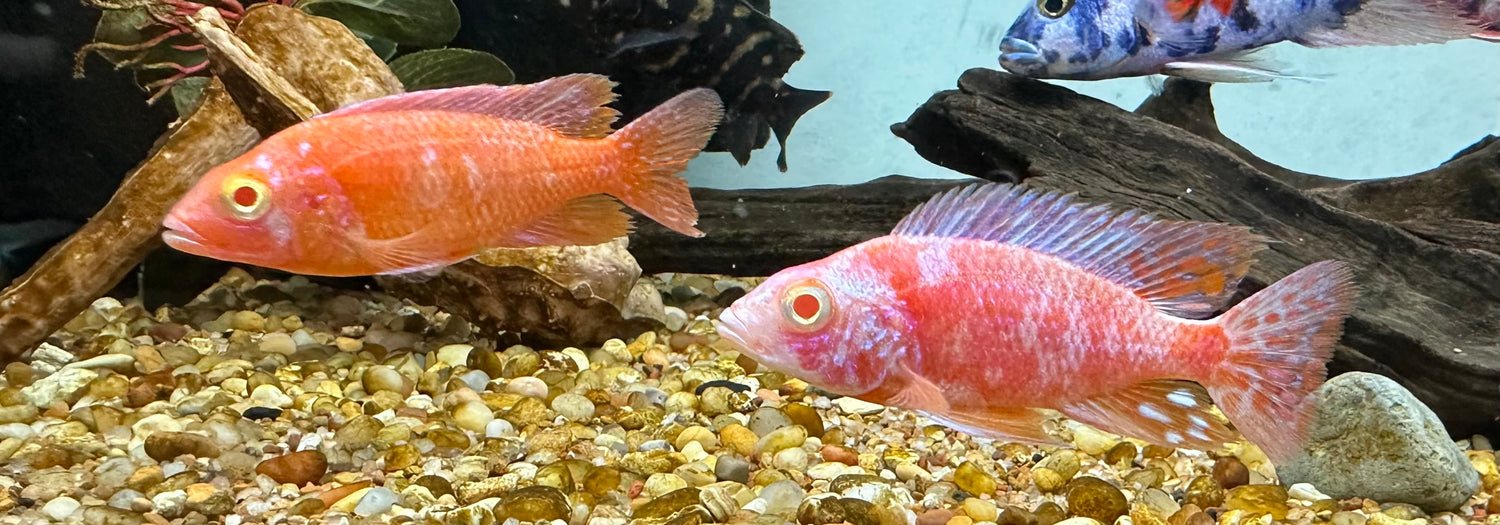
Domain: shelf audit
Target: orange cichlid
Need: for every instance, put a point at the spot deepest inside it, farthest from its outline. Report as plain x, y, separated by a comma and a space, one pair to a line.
991, 305
417, 181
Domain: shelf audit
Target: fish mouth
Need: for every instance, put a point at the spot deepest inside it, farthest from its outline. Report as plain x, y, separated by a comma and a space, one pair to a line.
1019, 56
181, 237
730, 327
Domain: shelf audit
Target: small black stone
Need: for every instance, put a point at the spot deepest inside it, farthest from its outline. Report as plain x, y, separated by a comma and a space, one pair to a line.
726, 384
254, 413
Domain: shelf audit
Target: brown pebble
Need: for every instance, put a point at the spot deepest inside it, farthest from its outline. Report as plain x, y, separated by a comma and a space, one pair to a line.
332, 496
840, 454
50, 456
1049, 513
19, 374
1264, 499
1230, 472
1013, 515
1204, 492
1156, 451
165, 446
1091, 497
935, 517
1182, 514
297, 468
1200, 518
167, 332
806, 416
1122, 454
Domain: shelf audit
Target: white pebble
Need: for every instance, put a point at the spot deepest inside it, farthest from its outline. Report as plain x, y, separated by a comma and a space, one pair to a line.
60, 508
475, 380
455, 355
269, 396
851, 405
676, 318
573, 407
498, 428
278, 343
375, 501
527, 386
1305, 492
473, 415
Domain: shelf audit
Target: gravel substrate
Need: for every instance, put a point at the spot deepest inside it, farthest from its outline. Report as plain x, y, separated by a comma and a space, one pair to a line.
287, 403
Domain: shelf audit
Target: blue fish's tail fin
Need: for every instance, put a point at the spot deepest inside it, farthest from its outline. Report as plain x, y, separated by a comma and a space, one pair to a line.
1397, 22
1279, 341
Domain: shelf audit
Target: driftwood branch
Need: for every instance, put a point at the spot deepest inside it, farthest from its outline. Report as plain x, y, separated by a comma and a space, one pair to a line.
1425, 245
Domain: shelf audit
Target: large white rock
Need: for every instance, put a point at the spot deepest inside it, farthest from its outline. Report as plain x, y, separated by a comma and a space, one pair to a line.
1372, 438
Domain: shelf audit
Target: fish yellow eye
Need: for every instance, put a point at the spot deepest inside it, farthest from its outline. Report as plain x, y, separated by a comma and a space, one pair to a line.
1054, 8
807, 305
246, 196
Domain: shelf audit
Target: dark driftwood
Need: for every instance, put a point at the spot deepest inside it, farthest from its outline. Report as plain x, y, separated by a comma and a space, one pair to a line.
759, 232
1425, 245
519, 306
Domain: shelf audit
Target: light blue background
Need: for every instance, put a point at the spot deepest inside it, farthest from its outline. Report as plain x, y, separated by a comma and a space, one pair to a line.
1383, 111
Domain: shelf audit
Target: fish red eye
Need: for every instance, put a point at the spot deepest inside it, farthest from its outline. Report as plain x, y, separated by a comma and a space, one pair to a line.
246, 196
806, 305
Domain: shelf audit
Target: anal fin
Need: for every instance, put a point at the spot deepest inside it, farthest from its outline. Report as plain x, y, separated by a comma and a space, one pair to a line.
584, 221
1006, 424
1170, 413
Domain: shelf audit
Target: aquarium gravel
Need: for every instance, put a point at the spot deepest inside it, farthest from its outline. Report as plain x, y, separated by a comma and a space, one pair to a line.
285, 402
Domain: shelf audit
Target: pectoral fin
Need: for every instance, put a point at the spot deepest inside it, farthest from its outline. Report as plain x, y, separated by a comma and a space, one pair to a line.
915, 392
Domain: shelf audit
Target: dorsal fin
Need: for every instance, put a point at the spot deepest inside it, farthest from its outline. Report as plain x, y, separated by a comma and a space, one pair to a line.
573, 105
1183, 268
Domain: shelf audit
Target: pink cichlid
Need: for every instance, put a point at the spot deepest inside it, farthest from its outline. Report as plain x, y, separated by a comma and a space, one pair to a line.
991, 304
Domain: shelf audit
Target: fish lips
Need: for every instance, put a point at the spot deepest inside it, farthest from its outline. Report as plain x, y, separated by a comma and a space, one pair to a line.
181, 237
1020, 57
730, 327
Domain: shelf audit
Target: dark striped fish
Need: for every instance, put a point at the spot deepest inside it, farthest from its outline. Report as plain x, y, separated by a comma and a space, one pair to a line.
656, 49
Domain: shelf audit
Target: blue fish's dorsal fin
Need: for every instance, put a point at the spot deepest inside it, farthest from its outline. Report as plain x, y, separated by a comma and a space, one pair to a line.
573, 105
1183, 268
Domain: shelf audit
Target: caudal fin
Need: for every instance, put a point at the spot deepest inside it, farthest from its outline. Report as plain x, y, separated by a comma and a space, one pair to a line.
663, 141
1279, 341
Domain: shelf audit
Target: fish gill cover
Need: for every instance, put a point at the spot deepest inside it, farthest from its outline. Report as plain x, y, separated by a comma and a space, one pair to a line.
656, 49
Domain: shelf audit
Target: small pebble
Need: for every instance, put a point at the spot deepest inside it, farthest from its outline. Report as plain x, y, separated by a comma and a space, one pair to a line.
60, 508
573, 407
527, 386
377, 500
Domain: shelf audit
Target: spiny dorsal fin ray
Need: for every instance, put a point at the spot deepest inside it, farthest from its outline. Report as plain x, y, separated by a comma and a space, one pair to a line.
1183, 268
573, 105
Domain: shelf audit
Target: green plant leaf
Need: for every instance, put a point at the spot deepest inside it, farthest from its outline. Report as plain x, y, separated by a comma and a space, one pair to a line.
187, 94
445, 68
416, 23
383, 47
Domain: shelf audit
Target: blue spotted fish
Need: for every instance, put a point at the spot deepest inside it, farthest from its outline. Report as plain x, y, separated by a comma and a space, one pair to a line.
1211, 40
